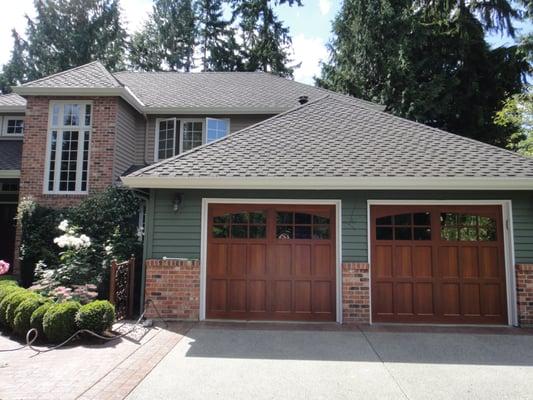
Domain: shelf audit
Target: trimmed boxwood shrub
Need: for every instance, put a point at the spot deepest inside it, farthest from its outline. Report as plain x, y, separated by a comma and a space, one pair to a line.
14, 301
8, 296
97, 316
8, 289
59, 322
7, 279
23, 313
36, 319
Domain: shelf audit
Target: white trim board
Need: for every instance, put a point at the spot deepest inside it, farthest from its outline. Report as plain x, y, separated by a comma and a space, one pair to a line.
328, 183
338, 245
507, 220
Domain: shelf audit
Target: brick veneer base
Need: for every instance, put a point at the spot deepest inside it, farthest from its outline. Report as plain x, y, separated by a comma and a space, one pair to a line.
355, 293
524, 294
174, 287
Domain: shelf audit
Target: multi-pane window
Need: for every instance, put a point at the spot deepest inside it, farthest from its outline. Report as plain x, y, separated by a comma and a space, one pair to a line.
167, 143
240, 225
192, 132
14, 126
467, 227
408, 226
174, 136
216, 129
68, 147
299, 225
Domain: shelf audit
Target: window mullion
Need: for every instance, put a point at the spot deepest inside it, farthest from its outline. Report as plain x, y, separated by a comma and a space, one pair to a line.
59, 152
174, 136
79, 158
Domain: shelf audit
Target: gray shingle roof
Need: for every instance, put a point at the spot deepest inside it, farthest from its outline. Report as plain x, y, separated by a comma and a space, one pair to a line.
219, 90
12, 99
334, 137
10, 154
92, 75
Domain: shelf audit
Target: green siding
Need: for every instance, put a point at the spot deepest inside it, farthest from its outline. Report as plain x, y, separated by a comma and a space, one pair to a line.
178, 234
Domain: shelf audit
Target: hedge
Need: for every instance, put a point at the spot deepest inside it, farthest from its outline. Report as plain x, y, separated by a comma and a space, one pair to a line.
36, 319
59, 322
14, 296
97, 316
23, 314
12, 303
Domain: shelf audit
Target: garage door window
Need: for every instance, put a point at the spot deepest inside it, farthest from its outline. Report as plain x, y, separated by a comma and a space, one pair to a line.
294, 225
240, 225
409, 226
467, 227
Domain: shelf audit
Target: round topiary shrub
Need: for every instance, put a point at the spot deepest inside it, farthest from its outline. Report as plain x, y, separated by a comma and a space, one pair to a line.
23, 313
59, 322
7, 279
13, 296
36, 319
8, 289
14, 301
97, 316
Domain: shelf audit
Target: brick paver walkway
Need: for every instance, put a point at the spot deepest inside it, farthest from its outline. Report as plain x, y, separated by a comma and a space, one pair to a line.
90, 371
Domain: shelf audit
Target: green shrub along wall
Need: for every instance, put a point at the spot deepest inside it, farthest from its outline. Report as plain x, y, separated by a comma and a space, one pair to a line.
171, 234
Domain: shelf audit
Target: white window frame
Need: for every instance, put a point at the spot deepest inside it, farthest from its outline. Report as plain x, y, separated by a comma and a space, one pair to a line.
184, 121
226, 120
156, 144
82, 128
178, 131
6, 120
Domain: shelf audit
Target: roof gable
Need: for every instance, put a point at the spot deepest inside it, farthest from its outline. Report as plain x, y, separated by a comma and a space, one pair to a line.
92, 75
338, 138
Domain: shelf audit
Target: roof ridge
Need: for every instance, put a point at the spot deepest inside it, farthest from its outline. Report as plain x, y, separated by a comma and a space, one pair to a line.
437, 130
198, 148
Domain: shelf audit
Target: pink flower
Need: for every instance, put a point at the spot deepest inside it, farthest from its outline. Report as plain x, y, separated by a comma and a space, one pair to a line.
4, 267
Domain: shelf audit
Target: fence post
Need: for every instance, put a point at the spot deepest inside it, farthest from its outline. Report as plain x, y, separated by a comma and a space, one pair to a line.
112, 282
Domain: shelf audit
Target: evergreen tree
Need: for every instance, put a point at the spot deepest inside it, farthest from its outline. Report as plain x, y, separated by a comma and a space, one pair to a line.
66, 34
170, 35
425, 64
14, 71
216, 38
266, 41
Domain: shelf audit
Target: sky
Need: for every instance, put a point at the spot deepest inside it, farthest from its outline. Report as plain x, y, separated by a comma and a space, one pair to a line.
309, 25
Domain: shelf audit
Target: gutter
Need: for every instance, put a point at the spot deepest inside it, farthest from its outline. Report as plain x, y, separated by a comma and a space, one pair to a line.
329, 183
9, 173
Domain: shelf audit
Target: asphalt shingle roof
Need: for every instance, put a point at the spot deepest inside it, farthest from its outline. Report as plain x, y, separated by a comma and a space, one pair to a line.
92, 75
219, 90
12, 99
337, 137
10, 154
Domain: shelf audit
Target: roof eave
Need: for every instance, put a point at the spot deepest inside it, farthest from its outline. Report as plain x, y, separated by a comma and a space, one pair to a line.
214, 110
12, 109
9, 173
329, 183
122, 92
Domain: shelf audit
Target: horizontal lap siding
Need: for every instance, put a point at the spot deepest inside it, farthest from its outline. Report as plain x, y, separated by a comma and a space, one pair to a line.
128, 122
178, 234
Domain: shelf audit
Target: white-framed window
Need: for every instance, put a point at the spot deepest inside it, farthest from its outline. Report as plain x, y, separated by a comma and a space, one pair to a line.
174, 136
216, 128
13, 126
67, 156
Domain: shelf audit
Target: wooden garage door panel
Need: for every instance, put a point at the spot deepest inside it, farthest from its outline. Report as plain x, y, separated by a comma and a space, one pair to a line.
271, 262
441, 264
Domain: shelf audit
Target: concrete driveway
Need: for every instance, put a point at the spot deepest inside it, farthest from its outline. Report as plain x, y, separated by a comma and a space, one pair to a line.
250, 361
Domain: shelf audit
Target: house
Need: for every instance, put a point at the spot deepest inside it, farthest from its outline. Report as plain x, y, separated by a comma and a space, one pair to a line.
273, 200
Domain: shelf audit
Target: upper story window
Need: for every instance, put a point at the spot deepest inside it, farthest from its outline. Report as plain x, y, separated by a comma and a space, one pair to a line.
174, 136
67, 160
13, 126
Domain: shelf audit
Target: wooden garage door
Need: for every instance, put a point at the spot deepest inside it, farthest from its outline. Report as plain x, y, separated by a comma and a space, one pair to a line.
267, 262
438, 264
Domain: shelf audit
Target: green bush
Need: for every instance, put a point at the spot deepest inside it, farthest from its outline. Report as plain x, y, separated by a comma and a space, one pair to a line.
6, 294
97, 316
59, 322
23, 313
7, 279
7, 288
11, 303
36, 319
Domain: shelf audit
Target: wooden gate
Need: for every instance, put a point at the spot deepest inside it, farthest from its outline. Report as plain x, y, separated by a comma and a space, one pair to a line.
121, 287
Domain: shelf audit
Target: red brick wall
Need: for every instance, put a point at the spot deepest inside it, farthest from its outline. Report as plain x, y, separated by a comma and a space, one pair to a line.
174, 287
524, 293
34, 149
355, 293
